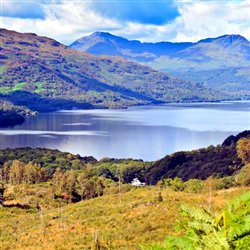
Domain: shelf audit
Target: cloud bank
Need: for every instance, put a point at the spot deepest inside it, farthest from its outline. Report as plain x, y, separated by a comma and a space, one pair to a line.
146, 20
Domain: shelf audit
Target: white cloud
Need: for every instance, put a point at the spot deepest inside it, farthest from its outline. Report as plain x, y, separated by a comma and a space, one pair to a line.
69, 20
65, 21
202, 19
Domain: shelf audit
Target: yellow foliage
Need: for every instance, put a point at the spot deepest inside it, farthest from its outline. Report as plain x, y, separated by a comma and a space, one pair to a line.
110, 222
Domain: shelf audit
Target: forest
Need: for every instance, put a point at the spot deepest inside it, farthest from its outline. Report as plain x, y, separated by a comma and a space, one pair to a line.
11, 115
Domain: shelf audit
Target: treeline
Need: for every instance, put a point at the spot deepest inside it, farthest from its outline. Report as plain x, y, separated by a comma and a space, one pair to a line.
124, 169
74, 178
46, 158
240, 178
72, 185
11, 115
217, 161
19, 173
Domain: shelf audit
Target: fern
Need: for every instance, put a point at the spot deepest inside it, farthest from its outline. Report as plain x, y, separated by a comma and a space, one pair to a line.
229, 230
198, 214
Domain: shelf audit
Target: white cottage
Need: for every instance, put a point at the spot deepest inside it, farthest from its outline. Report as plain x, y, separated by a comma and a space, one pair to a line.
136, 182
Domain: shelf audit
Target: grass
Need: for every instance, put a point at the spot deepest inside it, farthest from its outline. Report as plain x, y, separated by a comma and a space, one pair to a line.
119, 221
5, 90
2, 69
39, 87
16, 87
19, 86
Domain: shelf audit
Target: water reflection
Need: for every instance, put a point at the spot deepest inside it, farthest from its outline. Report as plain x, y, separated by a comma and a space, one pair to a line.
147, 133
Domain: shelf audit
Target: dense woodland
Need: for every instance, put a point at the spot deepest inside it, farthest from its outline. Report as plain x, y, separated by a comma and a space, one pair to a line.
80, 178
221, 160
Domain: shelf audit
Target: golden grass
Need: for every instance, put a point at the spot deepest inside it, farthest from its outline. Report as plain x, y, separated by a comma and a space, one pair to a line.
119, 221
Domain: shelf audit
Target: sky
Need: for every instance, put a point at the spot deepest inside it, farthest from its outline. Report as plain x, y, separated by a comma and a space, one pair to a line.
145, 20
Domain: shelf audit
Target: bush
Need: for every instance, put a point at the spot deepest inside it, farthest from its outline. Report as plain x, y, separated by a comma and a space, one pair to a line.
194, 186
225, 182
243, 177
175, 184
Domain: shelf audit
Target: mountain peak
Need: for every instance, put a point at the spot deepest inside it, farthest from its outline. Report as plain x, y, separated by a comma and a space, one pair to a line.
105, 36
102, 34
234, 37
229, 38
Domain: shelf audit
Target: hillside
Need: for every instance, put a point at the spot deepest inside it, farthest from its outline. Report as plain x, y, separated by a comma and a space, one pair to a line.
220, 160
55, 200
43, 74
113, 221
221, 63
11, 115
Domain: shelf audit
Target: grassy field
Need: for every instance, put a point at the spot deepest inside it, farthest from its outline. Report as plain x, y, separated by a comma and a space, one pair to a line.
117, 221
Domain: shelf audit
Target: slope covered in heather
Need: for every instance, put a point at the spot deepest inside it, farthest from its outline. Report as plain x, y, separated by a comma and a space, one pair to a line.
39, 72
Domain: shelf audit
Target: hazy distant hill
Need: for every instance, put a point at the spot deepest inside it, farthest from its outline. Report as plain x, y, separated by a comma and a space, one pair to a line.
221, 62
103, 43
43, 74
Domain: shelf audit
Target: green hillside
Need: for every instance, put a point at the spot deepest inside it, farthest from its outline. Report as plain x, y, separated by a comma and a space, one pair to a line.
43, 74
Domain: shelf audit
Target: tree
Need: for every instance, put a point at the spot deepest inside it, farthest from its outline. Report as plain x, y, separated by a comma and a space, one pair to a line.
243, 149
57, 179
16, 172
81, 185
243, 177
194, 186
68, 182
175, 184
5, 172
33, 173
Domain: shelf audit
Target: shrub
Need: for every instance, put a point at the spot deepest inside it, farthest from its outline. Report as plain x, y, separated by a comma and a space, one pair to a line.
225, 182
243, 177
194, 186
175, 184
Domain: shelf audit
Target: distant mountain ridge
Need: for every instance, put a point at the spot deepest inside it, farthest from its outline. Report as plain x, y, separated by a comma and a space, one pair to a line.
104, 43
227, 55
45, 75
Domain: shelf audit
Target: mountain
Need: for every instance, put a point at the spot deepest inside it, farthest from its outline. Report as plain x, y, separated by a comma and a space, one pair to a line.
222, 63
45, 75
104, 43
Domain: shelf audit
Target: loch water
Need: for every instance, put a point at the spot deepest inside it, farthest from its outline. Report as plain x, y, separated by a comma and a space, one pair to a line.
145, 132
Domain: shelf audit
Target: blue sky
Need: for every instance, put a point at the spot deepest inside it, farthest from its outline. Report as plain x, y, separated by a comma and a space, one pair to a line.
146, 20
141, 11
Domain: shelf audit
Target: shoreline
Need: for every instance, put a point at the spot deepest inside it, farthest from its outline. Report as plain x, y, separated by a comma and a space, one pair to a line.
14, 123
